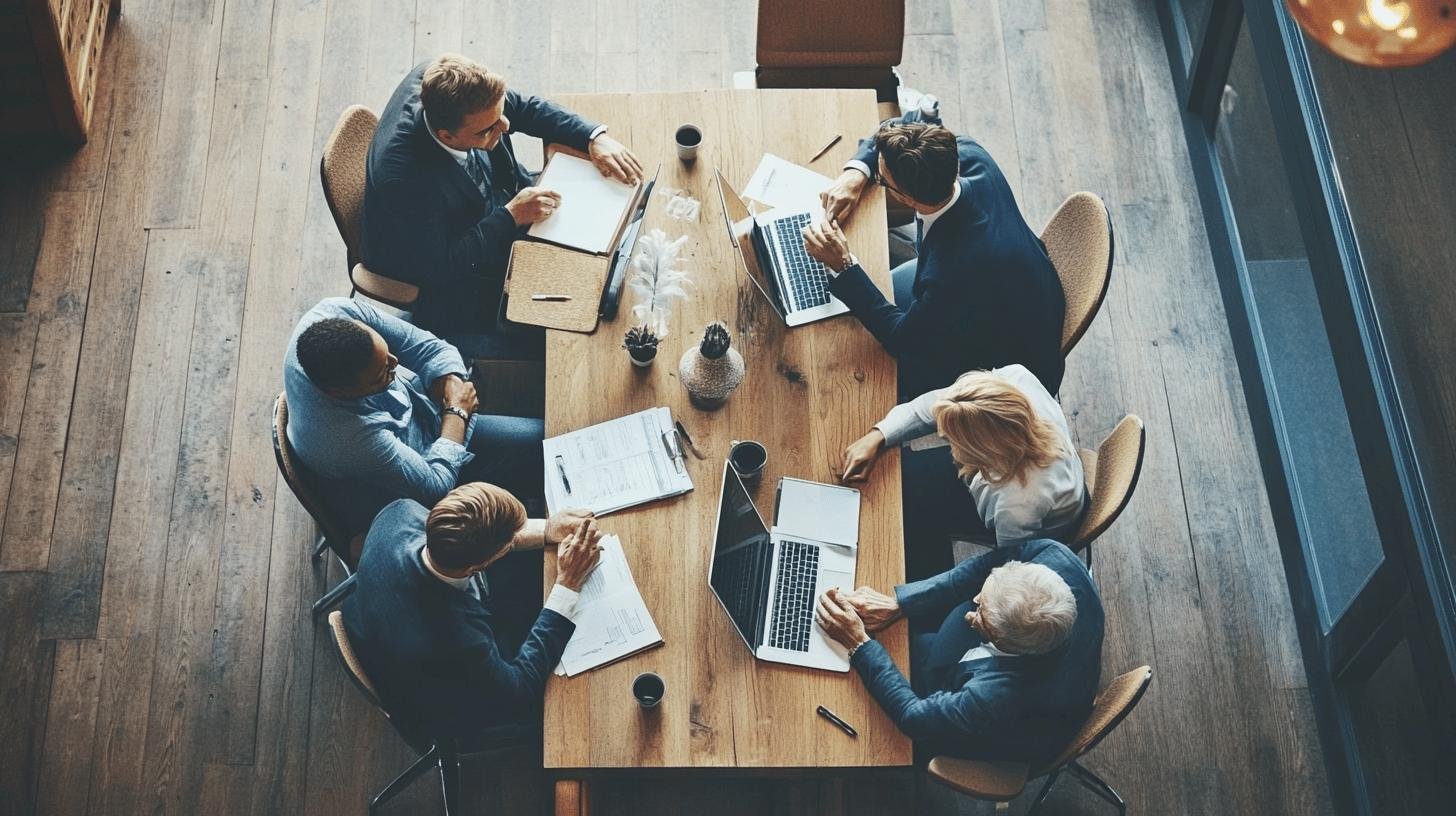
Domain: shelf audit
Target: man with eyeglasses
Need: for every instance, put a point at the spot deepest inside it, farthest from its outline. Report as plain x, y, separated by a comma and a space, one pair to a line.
445, 195
982, 292
380, 410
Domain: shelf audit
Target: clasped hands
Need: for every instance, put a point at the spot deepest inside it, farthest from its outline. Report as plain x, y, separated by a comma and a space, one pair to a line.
851, 617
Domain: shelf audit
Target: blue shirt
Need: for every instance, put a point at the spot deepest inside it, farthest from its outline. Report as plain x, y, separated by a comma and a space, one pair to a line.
369, 451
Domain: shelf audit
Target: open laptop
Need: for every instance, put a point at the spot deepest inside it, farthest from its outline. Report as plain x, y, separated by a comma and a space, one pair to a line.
769, 580
771, 249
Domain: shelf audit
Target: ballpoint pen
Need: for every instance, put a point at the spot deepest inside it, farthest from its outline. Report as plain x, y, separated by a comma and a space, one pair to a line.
843, 726
825, 148
683, 432
554, 298
561, 467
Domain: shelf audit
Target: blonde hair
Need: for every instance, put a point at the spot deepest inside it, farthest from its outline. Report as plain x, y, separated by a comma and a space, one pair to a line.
993, 430
472, 524
454, 87
1029, 607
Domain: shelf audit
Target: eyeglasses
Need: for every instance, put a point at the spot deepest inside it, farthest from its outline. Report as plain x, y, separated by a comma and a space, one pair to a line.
880, 180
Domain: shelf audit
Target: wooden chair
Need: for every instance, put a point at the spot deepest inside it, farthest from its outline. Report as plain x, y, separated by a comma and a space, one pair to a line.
831, 44
333, 535
1112, 474
1000, 782
342, 172
441, 754
1080, 242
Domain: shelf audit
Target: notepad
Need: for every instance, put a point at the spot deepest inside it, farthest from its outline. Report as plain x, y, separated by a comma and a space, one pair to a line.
593, 206
624, 462
537, 269
612, 621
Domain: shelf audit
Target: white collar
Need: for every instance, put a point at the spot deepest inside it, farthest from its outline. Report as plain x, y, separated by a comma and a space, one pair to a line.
459, 155
462, 584
927, 219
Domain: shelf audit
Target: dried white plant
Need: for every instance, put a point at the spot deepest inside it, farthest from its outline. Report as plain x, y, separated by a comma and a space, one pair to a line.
657, 280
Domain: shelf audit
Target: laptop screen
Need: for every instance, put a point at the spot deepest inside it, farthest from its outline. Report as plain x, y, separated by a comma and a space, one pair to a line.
742, 558
740, 232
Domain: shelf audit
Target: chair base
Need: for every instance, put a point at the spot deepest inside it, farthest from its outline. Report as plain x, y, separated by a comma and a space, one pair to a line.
1088, 780
449, 765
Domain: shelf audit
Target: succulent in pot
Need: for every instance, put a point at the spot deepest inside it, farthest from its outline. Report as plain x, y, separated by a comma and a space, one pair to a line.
641, 345
712, 369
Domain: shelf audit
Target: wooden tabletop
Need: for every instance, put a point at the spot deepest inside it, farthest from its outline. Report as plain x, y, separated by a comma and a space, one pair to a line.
808, 392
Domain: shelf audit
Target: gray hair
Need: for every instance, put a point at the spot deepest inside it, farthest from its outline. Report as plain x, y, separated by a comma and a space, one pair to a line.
1029, 606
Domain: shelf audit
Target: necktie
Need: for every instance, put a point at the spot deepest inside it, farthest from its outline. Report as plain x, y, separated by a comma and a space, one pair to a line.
919, 232
479, 174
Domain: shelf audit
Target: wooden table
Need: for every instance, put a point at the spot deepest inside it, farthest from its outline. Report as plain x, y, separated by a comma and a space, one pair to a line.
808, 393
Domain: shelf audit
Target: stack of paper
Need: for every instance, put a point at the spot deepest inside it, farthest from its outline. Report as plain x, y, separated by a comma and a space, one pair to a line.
593, 206
627, 461
611, 618
781, 183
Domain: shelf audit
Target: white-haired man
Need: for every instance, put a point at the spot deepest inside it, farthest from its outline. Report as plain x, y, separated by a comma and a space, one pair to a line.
1005, 650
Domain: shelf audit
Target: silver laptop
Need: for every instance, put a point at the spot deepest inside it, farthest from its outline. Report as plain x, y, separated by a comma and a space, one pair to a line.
768, 581
771, 249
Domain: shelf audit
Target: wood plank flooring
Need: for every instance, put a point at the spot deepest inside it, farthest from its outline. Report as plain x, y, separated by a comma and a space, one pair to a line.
155, 649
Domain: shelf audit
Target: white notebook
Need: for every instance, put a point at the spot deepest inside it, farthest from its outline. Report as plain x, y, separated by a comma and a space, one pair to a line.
593, 206
612, 621
626, 461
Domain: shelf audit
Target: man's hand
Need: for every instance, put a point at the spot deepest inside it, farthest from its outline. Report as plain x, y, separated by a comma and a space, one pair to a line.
614, 159
533, 204
876, 609
561, 524
860, 456
826, 243
843, 195
457, 392
839, 620
578, 555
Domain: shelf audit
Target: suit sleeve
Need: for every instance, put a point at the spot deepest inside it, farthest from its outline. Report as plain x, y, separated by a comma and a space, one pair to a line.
959, 714
953, 586
540, 117
414, 211
901, 331
519, 683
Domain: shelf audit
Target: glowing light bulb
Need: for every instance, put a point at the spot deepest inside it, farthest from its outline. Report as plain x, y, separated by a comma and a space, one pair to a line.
1379, 33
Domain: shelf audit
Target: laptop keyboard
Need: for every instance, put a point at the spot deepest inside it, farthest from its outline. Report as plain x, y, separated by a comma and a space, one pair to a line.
793, 609
808, 279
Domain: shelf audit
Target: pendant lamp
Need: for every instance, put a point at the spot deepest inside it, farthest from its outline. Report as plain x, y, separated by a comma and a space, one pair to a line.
1379, 33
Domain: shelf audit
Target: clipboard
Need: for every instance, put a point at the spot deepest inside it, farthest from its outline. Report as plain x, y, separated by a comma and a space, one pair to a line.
537, 268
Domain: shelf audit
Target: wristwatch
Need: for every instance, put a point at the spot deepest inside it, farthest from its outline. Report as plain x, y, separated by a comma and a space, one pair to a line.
856, 648
458, 411
853, 261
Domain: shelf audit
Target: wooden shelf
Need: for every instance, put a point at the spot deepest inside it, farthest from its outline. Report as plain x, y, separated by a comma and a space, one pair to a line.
50, 56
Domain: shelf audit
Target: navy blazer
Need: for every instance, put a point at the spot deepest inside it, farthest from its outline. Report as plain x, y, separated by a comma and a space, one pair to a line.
1025, 708
428, 647
986, 293
426, 223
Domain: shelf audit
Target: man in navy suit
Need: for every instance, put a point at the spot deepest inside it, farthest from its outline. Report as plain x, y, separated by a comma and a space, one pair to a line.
445, 195
982, 293
453, 637
1005, 652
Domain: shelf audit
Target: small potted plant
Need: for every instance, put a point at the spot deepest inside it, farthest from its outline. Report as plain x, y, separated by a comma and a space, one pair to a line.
641, 345
711, 370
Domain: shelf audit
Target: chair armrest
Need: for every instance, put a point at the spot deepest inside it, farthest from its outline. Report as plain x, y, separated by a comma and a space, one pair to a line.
993, 781
396, 293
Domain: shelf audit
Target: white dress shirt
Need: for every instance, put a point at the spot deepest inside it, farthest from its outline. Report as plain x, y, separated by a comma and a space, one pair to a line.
983, 651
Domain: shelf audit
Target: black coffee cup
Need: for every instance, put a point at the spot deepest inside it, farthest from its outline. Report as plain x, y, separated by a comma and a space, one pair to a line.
648, 689
688, 138
748, 458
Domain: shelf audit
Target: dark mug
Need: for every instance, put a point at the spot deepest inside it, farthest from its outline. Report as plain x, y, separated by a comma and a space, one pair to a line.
687, 139
748, 458
648, 689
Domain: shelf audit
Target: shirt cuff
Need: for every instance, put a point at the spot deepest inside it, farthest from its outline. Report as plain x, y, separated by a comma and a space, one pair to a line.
856, 164
562, 601
595, 133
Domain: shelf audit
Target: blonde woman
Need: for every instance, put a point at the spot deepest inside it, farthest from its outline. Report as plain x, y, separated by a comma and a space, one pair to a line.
1008, 445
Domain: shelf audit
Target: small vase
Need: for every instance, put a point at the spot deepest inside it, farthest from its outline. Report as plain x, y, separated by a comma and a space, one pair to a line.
710, 381
643, 363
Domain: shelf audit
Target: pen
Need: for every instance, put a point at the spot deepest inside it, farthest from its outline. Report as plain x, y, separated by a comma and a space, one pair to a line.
561, 466
843, 726
825, 148
683, 432
554, 298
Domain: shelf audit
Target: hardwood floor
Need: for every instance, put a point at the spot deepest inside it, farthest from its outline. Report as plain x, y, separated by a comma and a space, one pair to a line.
154, 583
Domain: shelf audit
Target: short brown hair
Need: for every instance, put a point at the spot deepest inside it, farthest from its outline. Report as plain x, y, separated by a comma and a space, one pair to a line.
454, 87
921, 157
472, 524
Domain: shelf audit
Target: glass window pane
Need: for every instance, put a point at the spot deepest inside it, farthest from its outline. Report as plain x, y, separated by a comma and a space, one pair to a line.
1195, 20
1333, 510
1394, 139
1397, 743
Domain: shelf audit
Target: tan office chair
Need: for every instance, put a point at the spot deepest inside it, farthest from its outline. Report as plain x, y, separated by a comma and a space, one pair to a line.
1112, 474
1000, 782
831, 44
1079, 241
341, 170
333, 534
441, 754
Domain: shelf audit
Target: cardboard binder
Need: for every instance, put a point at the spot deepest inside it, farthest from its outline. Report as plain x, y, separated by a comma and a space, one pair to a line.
537, 268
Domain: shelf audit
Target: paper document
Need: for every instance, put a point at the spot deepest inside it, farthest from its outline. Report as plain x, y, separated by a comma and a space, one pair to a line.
611, 618
624, 462
781, 183
592, 205
819, 512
